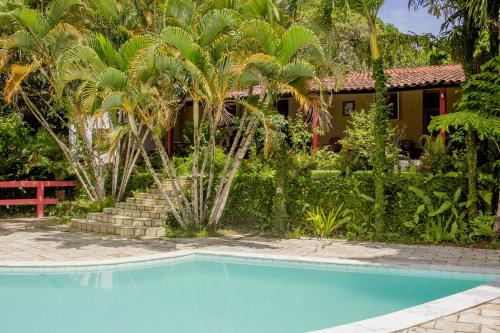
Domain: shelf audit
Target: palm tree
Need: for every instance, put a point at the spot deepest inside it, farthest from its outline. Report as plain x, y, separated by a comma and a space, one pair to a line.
369, 9
89, 76
42, 38
199, 53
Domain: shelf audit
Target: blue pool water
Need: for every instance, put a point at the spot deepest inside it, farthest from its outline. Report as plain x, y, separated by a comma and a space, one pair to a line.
211, 294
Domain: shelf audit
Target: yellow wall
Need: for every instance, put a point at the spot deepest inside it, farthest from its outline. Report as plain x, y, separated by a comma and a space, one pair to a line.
410, 112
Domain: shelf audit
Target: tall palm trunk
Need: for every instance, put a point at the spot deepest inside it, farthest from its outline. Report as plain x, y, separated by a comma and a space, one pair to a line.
227, 179
196, 155
381, 130
497, 217
471, 156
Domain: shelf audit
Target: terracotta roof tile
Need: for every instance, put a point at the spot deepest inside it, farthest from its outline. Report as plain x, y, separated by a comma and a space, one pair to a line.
401, 78
397, 79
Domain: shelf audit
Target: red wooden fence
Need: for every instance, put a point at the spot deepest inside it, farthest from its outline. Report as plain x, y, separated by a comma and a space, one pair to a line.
40, 201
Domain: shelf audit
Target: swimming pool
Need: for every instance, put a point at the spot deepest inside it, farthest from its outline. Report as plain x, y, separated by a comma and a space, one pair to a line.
207, 293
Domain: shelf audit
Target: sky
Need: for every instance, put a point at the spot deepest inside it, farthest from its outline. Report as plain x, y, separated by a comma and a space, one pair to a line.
397, 13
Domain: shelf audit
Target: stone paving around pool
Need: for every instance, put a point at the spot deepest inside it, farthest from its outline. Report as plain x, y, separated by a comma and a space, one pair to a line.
21, 240
484, 318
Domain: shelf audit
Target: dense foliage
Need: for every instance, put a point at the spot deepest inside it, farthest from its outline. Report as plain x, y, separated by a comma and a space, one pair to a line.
116, 73
423, 207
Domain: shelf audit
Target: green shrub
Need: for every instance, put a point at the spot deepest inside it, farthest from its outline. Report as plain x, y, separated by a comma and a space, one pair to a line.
79, 208
323, 225
482, 228
251, 200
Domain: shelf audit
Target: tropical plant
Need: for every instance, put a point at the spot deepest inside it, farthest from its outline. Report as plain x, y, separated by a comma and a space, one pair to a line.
369, 9
323, 225
90, 76
195, 57
483, 227
300, 133
41, 38
464, 20
439, 217
479, 114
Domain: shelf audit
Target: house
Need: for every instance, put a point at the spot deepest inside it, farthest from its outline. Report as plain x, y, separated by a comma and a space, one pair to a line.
416, 95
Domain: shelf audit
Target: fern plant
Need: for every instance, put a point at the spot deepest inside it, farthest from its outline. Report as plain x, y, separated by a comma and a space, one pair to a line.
482, 227
323, 225
440, 217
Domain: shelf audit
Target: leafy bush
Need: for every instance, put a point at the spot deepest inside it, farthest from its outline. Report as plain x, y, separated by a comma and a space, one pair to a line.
300, 133
253, 194
440, 217
359, 143
326, 159
29, 154
482, 228
78, 208
14, 150
326, 225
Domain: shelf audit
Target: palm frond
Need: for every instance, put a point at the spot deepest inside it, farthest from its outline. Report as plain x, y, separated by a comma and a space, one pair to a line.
264, 34
295, 39
107, 9
112, 101
108, 52
213, 24
57, 10
30, 20
184, 42
16, 76
18, 40
112, 78
131, 47
297, 70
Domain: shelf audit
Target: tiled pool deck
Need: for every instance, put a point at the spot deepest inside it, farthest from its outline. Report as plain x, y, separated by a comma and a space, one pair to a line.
20, 242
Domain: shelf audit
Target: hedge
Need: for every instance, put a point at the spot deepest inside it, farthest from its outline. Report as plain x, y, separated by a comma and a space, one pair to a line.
252, 198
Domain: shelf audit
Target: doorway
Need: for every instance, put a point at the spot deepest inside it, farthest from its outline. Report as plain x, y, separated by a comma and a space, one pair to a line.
431, 108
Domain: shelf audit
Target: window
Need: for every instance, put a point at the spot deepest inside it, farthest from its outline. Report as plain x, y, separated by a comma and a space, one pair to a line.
393, 105
348, 108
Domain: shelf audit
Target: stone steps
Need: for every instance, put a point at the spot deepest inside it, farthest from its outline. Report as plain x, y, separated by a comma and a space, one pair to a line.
133, 213
125, 220
148, 202
141, 216
119, 230
142, 208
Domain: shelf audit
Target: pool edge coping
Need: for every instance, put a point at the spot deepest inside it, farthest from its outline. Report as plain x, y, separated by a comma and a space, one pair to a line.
394, 321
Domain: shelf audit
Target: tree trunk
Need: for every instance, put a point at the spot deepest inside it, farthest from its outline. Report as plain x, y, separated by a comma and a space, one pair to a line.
80, 172
218, 209
196, 154
177, 189
472, 174
496, 226
493, 27
381, 132
153, 173
230, 155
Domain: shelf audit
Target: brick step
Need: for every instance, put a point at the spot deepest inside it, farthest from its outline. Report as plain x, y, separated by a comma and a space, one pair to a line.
149, 202
156, 196
125, 220
135, 213
142, 208
168, 188
120, 230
